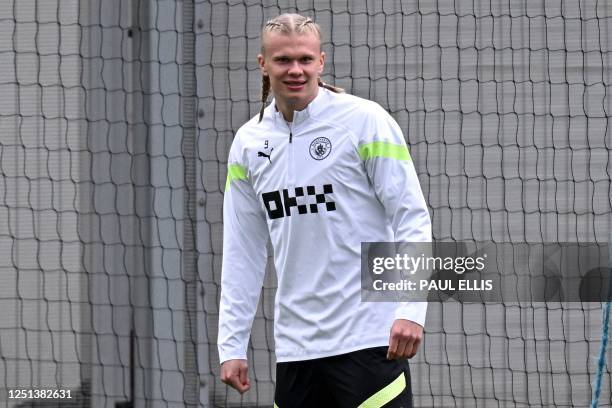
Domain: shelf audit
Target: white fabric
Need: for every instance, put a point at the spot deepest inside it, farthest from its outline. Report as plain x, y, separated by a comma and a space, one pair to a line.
318, 308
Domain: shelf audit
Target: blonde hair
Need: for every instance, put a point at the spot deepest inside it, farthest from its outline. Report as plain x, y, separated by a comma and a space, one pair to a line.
288, 24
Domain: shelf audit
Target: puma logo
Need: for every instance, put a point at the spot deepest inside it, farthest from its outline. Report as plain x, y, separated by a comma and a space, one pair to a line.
262, 154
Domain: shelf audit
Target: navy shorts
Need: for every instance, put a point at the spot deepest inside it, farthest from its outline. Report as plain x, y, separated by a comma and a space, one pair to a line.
363, 378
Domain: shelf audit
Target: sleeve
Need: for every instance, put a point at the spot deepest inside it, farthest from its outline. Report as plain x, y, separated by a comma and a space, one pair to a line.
245, 235
390, 169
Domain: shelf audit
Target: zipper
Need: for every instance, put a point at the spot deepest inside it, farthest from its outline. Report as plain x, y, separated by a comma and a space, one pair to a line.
290, 126
291, 161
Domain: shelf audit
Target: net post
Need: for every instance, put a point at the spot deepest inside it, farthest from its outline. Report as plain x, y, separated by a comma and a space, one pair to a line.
191, 391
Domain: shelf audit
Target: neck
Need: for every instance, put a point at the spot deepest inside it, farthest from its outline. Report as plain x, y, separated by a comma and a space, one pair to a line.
287, 113
287, 108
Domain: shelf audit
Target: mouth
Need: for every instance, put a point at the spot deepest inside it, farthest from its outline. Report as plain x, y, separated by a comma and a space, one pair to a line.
295, 85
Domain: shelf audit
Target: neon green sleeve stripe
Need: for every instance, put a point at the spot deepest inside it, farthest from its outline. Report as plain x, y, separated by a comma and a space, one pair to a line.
386, 394
235, 172
383, 149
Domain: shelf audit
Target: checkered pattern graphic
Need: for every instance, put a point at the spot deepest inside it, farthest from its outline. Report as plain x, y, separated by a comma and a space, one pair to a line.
279, 203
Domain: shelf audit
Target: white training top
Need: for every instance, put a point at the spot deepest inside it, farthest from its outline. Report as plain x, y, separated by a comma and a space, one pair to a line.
340, 176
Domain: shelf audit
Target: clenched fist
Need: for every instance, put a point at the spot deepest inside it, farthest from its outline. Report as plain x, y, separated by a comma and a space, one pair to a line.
235, 374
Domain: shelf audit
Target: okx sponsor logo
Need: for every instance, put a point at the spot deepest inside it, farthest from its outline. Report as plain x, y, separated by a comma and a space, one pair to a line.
280, 203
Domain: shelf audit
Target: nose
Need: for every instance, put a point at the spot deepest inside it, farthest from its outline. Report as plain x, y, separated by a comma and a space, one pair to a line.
295, 68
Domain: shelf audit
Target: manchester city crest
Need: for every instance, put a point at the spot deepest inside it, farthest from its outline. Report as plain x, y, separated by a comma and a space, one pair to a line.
320, 148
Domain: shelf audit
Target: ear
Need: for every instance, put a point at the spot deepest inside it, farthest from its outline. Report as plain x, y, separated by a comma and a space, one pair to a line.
262, 64
322, 61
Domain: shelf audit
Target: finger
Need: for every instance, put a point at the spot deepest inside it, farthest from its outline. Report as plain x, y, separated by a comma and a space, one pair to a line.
408, 349
402, 346
227, 380
241, 388
232, 378
392, 351
236, 384
415, 348
225, 376
243, 377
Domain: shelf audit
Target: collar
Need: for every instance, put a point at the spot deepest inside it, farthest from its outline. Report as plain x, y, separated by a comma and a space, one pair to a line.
299, 116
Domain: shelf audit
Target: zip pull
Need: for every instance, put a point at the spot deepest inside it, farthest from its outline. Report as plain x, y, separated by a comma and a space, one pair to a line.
289, 125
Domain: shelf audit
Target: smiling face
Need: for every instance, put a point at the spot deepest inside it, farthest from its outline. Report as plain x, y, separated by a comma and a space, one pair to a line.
293, 63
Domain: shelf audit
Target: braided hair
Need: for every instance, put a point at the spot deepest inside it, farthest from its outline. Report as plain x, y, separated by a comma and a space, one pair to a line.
288, 24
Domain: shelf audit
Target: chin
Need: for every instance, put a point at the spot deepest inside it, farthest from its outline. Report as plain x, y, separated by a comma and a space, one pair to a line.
300, 96
295, 98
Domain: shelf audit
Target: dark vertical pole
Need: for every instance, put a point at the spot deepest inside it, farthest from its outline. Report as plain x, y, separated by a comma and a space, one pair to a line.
191, 391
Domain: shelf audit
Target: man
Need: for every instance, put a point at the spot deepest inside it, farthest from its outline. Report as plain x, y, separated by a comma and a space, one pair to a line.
318, 172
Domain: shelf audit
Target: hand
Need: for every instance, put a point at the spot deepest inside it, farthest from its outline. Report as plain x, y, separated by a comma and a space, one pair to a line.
235, 374
405, 338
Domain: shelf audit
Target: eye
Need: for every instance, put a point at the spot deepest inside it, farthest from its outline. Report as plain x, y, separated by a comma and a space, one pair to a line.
307, 59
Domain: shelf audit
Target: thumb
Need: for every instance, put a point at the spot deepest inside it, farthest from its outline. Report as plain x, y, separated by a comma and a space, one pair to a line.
243, 375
